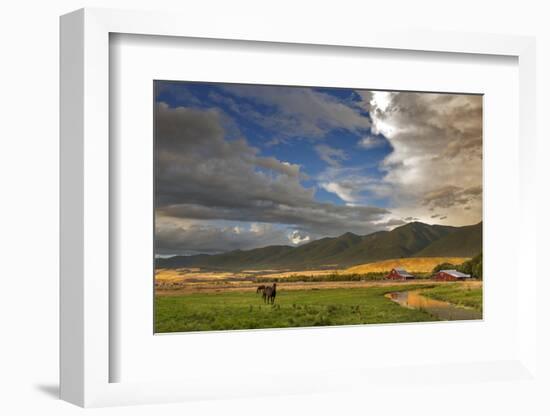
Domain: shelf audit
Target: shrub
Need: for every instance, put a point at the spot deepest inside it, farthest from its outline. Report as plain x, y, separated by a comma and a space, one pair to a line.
444, 266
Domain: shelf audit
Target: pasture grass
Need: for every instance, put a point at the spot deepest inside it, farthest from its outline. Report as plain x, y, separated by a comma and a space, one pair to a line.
296, 308
457, 294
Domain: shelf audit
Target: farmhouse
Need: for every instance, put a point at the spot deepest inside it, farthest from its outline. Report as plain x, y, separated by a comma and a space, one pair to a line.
450, 275
399, 274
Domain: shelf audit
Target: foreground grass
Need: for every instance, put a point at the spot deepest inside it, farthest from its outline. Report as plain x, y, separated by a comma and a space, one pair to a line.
297, 308
457, 294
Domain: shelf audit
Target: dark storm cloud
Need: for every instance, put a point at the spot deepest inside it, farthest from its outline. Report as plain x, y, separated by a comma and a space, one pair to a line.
317, 218
451, 196
202, 176
179, 237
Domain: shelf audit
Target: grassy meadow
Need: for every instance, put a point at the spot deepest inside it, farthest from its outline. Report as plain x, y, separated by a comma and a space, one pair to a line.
226, 310
195, 299
460, 294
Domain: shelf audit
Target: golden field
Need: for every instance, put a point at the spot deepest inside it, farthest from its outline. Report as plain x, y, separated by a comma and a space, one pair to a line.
176, 275
412, 264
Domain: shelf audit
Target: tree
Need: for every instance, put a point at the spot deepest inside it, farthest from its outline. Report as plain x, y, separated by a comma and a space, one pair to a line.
443, 266
473, 267
466, 267
477, 266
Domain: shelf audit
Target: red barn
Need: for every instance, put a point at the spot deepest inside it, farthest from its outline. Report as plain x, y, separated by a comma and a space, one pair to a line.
399, 274
450, 275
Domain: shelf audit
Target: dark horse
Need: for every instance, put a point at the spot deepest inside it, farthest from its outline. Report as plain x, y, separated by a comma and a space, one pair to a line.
261, 289
269, 293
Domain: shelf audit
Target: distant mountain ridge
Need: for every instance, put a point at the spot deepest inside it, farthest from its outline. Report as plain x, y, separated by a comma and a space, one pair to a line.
414, 239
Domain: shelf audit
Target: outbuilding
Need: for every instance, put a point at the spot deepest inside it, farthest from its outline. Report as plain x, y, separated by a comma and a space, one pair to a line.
399, 274
450, 275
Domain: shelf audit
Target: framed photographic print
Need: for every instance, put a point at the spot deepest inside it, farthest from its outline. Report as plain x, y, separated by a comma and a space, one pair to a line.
333, 204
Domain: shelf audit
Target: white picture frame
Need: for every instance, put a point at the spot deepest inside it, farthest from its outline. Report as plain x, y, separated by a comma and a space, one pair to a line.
86, 356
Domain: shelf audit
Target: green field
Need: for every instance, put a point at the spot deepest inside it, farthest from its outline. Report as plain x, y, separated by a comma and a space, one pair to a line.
458, 295
296, 308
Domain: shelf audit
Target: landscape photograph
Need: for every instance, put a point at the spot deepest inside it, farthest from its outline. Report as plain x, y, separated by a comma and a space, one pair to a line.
284, 206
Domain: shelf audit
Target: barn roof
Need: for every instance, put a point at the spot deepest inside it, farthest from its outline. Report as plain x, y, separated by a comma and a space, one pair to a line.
403, 272
455, 273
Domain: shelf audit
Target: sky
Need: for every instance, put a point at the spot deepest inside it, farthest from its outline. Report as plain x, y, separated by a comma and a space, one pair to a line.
246, 166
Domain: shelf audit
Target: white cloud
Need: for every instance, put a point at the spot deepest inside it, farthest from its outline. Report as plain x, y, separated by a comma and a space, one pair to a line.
370, 142
353, 184
297, 237
345, 194
381, 100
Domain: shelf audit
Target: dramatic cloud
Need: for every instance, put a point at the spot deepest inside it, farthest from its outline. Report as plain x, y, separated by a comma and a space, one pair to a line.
202, 176
296, 112
362, 161
437, 150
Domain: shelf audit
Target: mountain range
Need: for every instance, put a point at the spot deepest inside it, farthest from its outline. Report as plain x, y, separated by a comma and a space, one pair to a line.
414, 239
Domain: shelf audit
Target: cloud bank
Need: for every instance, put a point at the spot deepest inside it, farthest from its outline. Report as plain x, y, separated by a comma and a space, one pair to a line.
371, 161
203, 177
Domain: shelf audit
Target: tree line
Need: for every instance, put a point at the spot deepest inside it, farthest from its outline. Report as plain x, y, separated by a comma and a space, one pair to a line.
332, 277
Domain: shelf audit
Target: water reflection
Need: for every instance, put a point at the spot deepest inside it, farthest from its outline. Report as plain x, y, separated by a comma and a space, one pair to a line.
440, 309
